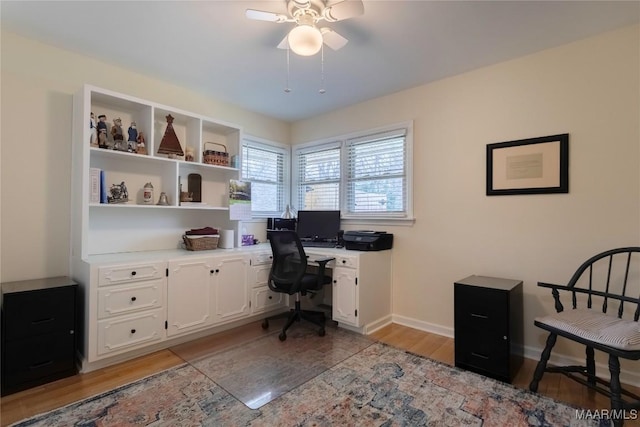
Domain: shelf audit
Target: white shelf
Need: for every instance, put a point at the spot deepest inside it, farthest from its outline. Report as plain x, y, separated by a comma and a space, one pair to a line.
137, 206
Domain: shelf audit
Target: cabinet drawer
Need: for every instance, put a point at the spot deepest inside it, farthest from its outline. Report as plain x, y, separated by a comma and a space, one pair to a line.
118, 300
492, 360
117, 274
259, 276
38, 358
33, 313
262, 258
343, 261
484, 310
264, 299
121, 333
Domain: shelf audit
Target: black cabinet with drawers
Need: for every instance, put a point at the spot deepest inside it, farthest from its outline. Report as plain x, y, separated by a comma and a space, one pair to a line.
488, 326
38, 332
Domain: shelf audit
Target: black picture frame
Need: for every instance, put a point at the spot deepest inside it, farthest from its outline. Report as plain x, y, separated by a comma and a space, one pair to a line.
528, 166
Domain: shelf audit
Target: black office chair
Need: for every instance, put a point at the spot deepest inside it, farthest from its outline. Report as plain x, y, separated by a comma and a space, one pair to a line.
289, 275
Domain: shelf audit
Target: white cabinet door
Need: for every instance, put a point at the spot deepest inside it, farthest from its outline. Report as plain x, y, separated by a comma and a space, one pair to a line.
231, 290
345, 296
191, 294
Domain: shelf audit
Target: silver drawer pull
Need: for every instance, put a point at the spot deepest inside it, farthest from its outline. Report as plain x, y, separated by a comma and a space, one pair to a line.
481, 356
41, 365
37, 322
481, 316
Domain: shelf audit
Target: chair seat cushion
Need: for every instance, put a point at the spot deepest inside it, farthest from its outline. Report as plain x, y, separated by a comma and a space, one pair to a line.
596, 326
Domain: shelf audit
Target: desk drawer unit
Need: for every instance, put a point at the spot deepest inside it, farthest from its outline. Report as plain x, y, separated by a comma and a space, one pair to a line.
131, 307
488, 326
38, 332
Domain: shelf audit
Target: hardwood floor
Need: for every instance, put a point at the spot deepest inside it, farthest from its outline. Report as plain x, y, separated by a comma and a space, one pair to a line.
53, 395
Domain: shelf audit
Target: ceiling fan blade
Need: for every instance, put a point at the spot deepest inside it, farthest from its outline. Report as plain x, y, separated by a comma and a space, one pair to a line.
344, 10
332, 39
284, 44
260, 15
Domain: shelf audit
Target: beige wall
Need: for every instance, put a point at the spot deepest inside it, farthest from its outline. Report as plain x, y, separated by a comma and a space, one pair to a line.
38, 83
589, 89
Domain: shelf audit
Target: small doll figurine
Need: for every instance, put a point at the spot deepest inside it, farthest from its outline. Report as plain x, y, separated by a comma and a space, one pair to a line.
189, 154
116, 133
133, 137
102, 138
141, 148
93, 137
102, 126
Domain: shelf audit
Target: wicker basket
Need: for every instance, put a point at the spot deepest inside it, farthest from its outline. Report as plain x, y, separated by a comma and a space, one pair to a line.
197, 243
213, 157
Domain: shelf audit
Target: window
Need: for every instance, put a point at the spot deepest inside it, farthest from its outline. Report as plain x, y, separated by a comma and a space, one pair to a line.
318, 172
376, 174
364, 175
266, 165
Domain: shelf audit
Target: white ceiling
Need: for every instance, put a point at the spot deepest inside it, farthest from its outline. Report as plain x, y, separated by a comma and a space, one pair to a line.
210, 47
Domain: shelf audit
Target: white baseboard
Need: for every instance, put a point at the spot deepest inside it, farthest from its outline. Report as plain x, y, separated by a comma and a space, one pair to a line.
423, 326
626, 376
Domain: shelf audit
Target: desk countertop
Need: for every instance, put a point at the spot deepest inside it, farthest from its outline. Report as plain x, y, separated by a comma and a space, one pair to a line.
182, 253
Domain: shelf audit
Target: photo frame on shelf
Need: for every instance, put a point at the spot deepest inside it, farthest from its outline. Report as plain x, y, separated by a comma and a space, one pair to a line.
528, 166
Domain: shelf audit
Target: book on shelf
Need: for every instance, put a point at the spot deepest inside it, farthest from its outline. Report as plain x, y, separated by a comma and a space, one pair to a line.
103, 187
94, 185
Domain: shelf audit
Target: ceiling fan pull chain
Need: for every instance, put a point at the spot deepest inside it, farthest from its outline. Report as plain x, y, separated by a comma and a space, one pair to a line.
321, 91
287, 89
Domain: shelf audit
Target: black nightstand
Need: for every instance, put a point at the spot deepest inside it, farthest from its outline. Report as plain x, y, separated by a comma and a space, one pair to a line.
38, 332
488, 326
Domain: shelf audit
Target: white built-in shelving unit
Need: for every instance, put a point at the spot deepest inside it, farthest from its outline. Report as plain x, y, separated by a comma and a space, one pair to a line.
102, 228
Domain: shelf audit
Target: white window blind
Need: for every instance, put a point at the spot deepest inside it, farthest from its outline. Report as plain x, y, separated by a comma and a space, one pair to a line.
376, 174
266, 166
318, 177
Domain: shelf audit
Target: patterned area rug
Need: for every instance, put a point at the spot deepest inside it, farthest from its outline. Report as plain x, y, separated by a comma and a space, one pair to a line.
257, 372
378, 386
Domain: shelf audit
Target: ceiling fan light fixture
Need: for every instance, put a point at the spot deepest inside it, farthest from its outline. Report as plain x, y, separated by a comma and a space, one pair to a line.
305, 40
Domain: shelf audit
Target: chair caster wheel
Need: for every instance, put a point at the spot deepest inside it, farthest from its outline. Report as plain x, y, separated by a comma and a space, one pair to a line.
321, 332
282, 336
265, 324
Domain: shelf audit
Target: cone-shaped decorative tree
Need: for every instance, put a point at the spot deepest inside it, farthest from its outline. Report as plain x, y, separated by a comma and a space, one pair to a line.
170, 144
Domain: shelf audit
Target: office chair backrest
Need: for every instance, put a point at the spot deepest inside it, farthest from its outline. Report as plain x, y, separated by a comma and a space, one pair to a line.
289, 261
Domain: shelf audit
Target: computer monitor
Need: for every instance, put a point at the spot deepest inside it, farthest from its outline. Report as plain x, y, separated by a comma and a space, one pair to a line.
318, 225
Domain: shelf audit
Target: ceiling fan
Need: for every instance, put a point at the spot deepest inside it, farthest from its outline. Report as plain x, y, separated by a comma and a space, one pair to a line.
306, 38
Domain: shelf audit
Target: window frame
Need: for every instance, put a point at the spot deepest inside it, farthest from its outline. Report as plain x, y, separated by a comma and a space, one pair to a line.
268, 145
343, 142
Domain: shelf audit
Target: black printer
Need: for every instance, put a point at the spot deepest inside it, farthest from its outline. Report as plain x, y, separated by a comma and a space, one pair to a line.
365, 240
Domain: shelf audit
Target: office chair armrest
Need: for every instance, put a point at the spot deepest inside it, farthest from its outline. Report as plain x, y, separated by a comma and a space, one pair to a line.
322, 264
323, 261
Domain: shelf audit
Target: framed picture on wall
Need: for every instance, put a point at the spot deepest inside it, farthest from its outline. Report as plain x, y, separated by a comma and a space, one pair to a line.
528, 166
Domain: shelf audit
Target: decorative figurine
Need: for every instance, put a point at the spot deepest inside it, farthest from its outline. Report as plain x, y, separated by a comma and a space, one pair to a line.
163, 201
169, 144
189, 154
118, 193
133, 138
141, 147
118, 137
102, 138
93, 137
102, 126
